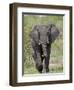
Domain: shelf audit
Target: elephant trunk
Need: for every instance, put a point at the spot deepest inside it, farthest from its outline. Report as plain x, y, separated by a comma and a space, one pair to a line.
44, 49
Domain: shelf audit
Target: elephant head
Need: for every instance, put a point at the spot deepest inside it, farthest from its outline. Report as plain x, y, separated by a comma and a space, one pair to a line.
44, 35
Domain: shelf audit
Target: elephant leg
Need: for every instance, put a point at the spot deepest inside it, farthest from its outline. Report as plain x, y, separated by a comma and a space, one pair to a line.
37, 59
47, 59
39, 67
47, 64
39, 64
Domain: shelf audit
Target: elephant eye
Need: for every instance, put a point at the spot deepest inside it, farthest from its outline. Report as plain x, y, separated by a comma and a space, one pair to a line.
49, 31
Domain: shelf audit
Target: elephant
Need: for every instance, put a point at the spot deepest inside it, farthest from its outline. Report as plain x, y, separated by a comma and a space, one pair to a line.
42, 36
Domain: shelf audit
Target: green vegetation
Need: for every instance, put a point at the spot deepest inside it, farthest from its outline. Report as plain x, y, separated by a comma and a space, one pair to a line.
56, 60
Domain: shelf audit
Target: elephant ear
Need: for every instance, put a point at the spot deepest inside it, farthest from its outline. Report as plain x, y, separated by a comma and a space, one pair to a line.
34, 34
54, 33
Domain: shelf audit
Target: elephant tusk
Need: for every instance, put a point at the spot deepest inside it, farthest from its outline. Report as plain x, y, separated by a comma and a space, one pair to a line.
42, 55
39, 43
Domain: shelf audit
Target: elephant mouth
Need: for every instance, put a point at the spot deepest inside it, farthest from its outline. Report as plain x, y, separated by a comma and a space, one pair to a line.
43, 43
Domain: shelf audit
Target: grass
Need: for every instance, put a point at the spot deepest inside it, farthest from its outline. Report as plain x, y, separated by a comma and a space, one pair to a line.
53, 68
56, 60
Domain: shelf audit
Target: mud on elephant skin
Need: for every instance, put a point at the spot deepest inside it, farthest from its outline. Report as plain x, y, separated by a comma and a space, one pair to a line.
42, 36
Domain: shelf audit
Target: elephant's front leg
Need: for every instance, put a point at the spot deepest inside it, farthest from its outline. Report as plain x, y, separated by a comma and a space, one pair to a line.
37, 58
47, 59
39, 64
46, 64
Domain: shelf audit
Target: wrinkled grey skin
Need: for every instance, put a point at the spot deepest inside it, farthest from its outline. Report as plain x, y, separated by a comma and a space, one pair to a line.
42, 37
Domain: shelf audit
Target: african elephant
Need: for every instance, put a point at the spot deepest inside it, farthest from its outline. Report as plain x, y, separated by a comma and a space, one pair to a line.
42, 36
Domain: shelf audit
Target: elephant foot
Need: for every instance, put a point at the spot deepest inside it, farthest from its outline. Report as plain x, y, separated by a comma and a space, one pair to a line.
39, 68
47, 70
